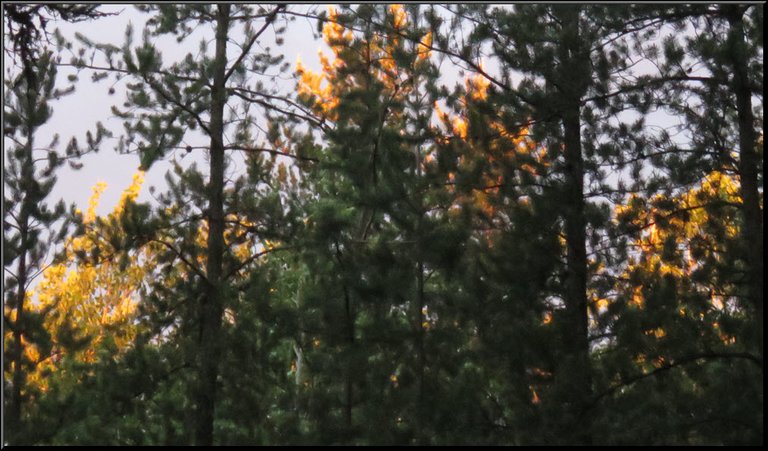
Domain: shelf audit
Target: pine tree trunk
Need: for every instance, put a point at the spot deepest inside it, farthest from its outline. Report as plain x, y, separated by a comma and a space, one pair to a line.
575, 371
14, 411
421, 438
420, 317
17, 354
752, 231
348, 387
211, 306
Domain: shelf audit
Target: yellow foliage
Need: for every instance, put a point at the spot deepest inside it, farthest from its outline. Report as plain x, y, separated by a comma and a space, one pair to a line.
93, 201
99, 300
499, 146
425, 45
724, 337
677, 236
477, 85
657, 332
399, 16
459, 127
91, 300
680, 223
131, 193
333, 31
323, 90
30, 350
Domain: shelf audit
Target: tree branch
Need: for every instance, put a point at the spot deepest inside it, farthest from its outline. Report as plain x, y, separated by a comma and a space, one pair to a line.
270, 18
270, 151
253, 258
677, 363
180, 256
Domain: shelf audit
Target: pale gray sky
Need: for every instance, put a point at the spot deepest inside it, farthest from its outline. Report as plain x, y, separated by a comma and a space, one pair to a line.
77, 113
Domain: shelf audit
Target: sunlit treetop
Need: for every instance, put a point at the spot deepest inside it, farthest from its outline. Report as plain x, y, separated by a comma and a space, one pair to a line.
484, 138
323, 90
683, 242
88, 296
697, 222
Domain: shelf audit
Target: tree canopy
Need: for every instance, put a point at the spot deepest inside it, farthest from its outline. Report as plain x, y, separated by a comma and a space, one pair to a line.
470, 224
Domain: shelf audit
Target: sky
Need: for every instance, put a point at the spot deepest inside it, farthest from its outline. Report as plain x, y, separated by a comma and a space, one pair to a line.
78, 113
75, 114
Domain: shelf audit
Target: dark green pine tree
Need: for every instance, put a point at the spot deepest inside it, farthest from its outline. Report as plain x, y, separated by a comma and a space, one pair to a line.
559, 76
214, 229
571, 60
343, 295
744, 47
32, 230
728, 52
27, 28
375, 330
709, 79
28, 174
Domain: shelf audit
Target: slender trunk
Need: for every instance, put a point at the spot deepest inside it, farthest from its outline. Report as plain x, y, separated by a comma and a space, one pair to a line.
348, 387
211, 306
420, 318
349, 318
752, 231
16, 356
18, 380
419, 314
575, 372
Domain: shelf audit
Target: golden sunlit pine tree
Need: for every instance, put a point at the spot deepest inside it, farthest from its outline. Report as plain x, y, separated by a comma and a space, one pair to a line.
88, 301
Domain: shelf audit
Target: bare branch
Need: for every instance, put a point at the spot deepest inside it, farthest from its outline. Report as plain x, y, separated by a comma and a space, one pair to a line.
706, 356
270, 151
270, 18
180, 256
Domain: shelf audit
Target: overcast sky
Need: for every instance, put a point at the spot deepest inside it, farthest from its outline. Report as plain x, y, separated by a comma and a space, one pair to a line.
77, 113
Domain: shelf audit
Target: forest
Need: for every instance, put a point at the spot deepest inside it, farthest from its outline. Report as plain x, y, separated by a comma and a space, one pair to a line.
470, 224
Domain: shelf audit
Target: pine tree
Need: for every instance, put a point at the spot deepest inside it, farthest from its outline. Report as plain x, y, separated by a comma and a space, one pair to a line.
577, 79
692, 84
561, 77
32, 228
87, 302
170, 102
27, 28
731, 40
381, 209
680, 314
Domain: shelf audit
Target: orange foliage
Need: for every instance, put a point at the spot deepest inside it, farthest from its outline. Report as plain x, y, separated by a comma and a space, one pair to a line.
673, 231
322, 90
93, 301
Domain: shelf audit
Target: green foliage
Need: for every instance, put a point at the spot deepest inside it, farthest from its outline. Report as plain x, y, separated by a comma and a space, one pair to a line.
388, 257
33, 230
